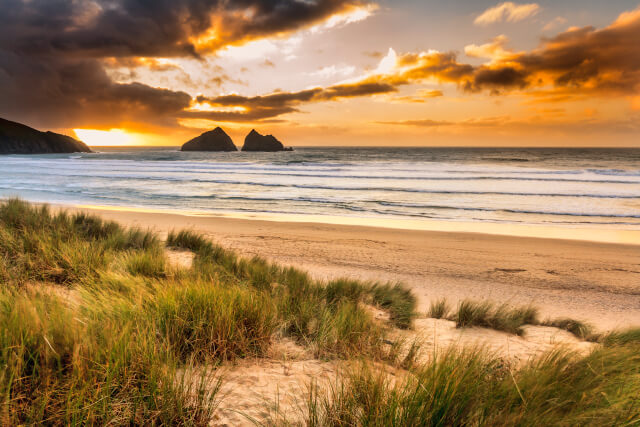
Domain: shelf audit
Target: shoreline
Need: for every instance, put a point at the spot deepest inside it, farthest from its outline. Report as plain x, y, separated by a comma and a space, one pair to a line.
591, 281
592, 234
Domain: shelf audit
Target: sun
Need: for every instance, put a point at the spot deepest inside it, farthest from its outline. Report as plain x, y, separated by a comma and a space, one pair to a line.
103, 138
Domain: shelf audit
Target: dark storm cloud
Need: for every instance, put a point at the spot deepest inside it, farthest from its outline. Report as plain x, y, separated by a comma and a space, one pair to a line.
57, 92
53, 52
103, 28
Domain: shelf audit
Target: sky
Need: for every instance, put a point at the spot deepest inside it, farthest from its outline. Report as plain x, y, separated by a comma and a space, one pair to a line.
325, 72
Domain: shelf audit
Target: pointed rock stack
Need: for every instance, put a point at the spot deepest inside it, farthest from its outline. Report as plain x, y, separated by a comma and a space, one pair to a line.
213, 140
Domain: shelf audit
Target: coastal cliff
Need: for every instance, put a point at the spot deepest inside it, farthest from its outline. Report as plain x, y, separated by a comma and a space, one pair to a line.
16, 138
213, 140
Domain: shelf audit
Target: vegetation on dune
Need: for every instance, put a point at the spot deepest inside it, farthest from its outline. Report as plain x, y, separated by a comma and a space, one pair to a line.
471, 387
96, 327
580, 329
505, 318
625, 337
439, 309
501, 318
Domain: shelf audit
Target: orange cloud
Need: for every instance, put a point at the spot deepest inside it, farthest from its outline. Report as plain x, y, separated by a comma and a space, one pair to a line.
582, 60
237, 108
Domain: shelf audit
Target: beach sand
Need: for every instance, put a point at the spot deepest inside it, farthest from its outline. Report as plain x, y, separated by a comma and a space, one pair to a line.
590, 281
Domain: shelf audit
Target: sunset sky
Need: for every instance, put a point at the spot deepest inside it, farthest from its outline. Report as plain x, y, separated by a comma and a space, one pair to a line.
325, 72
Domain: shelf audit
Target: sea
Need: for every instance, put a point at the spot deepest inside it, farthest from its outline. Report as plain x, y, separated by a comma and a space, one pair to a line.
532, 186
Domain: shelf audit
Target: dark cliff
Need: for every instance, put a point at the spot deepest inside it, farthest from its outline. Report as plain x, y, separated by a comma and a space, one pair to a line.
16, 138
256, 142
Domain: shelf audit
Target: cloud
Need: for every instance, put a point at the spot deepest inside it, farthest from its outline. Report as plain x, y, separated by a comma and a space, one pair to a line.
166, 28
238, 108
57, 58
421, 97
536, 124
62, 92
572, 64
373, 54
351, 14
578, 61
494, 50
507, 11
429, 123
55, 54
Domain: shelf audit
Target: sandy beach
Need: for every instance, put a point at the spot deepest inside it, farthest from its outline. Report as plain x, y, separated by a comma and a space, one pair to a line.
590, 281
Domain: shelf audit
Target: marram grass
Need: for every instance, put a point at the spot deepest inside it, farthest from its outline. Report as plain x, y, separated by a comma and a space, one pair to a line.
472, 387
97, 328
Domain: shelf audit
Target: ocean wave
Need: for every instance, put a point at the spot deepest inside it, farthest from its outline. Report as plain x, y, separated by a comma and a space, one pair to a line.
468, 186
453, 192
353, 206
184, 175
517, 211
368, 188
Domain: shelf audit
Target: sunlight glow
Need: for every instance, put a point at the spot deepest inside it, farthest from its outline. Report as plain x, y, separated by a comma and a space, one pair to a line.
113, 137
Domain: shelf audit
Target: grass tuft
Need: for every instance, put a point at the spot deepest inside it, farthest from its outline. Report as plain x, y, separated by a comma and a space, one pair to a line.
623, 337
186, 239
439, 309
148, 264
580, 329
502, 318
213, 323
398, 300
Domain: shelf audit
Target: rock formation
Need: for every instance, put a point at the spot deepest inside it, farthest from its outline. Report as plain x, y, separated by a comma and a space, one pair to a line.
213, 140
16, 138
256, 142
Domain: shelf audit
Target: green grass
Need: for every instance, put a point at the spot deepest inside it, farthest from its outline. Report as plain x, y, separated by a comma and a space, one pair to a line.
629, 336
578, 328
98, 328
398, 300
151, 263
441, 393
66, 365
472, 387
213, 323
488, 315
439, 309
186, 239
